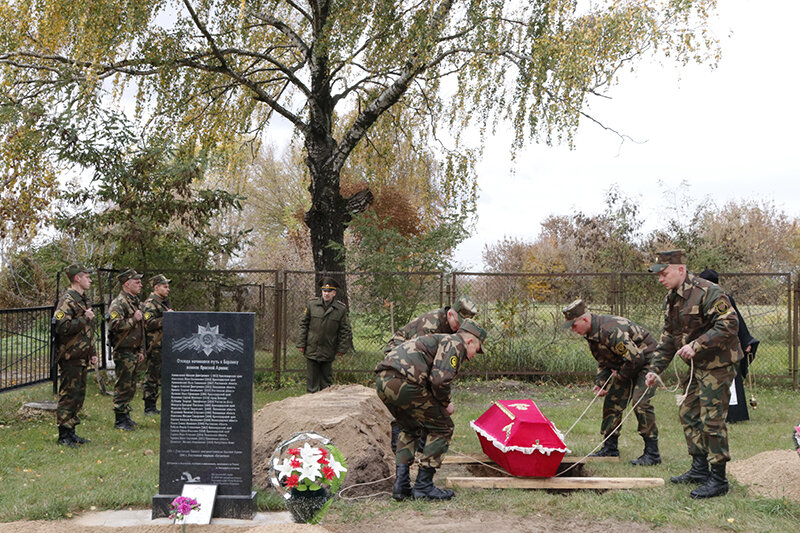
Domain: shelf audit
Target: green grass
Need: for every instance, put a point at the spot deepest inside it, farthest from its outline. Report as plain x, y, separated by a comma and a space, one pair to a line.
117, 470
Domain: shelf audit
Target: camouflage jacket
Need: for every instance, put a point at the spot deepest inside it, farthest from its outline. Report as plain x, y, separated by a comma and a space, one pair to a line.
618, 344
698, 313
124, 331
153, 315
74, 331
324, 330
433, 322
432, 361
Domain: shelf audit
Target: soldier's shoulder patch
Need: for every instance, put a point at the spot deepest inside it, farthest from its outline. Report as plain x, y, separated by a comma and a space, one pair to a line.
60, 314
721, 307
114, 315
453, 361
620, 348
147, 315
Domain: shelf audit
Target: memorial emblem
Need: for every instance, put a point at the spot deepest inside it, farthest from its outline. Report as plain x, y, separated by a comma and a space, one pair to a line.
208, 340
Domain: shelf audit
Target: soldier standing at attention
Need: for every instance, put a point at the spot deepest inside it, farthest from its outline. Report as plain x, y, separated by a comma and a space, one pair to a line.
153, 311
74, 329
125, 332
700, 326
414, 381
324, 334
444, 320
623, 350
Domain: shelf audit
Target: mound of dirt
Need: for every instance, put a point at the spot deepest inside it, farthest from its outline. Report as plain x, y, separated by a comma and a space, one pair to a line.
351, 416
774, 474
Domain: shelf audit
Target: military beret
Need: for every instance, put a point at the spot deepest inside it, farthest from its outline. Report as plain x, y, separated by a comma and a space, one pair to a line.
669, 257
465, 307
470, 326
75, 269
573, 311
127, 274
328, 283
159, 278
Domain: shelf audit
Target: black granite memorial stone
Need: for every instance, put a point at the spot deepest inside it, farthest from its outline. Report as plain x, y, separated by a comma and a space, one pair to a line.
207, 410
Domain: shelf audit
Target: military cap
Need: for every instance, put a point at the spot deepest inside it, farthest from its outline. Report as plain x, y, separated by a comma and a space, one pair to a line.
328, 283
75, 269
127, 274
465, 307
574, 310
470, 326
159, 278
669, 257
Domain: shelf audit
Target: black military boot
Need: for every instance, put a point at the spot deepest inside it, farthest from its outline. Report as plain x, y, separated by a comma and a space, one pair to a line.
698, 473
609, 448
150, 407
122, 422
76, 438
425, 489
65, 437
133, 424
717, 483
650, 456
402, 484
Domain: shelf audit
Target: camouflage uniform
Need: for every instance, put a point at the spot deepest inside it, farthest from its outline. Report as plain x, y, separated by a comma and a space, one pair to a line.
414, 382
153, 316
125, 333
324, 332
619, 344
432, 322
700, 314
74, 350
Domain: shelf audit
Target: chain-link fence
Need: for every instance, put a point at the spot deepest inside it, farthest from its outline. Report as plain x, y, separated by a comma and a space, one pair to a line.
522, 313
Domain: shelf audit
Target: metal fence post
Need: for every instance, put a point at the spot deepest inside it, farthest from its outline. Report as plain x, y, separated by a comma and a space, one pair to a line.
278, 331
795, 308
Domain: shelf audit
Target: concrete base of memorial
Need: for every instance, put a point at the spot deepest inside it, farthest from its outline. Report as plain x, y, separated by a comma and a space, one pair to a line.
240, 507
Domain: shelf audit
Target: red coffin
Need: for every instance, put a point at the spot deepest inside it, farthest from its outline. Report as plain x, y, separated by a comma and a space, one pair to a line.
519, 438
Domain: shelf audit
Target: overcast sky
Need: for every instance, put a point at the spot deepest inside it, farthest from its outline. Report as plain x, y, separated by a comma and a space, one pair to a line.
730, 132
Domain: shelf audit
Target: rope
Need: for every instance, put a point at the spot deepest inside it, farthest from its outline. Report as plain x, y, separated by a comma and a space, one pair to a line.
597, 395
353, 498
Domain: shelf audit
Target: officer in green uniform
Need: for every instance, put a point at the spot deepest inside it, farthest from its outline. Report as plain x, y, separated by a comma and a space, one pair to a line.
414, 382
125, 332
700, 327
153, 311
324, 334
622, 350
444, 320
74, 329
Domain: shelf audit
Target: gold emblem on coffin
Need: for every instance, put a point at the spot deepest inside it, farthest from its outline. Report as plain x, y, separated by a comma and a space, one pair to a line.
507, 430
519, 406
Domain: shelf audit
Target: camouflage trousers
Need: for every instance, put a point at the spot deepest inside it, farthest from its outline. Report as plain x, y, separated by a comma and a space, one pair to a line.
152, 380
415, 409
71, 393
125, 364
620, 394
703, 412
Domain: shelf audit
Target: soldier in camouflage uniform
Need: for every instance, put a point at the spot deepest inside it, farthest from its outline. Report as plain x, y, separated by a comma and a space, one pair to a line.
125, 332
74, 335
414, 381
622, 350
444, 320
153, 311
324, 335
700, 326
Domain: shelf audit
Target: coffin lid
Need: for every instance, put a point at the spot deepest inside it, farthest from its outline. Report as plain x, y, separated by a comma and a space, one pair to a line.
518, 425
